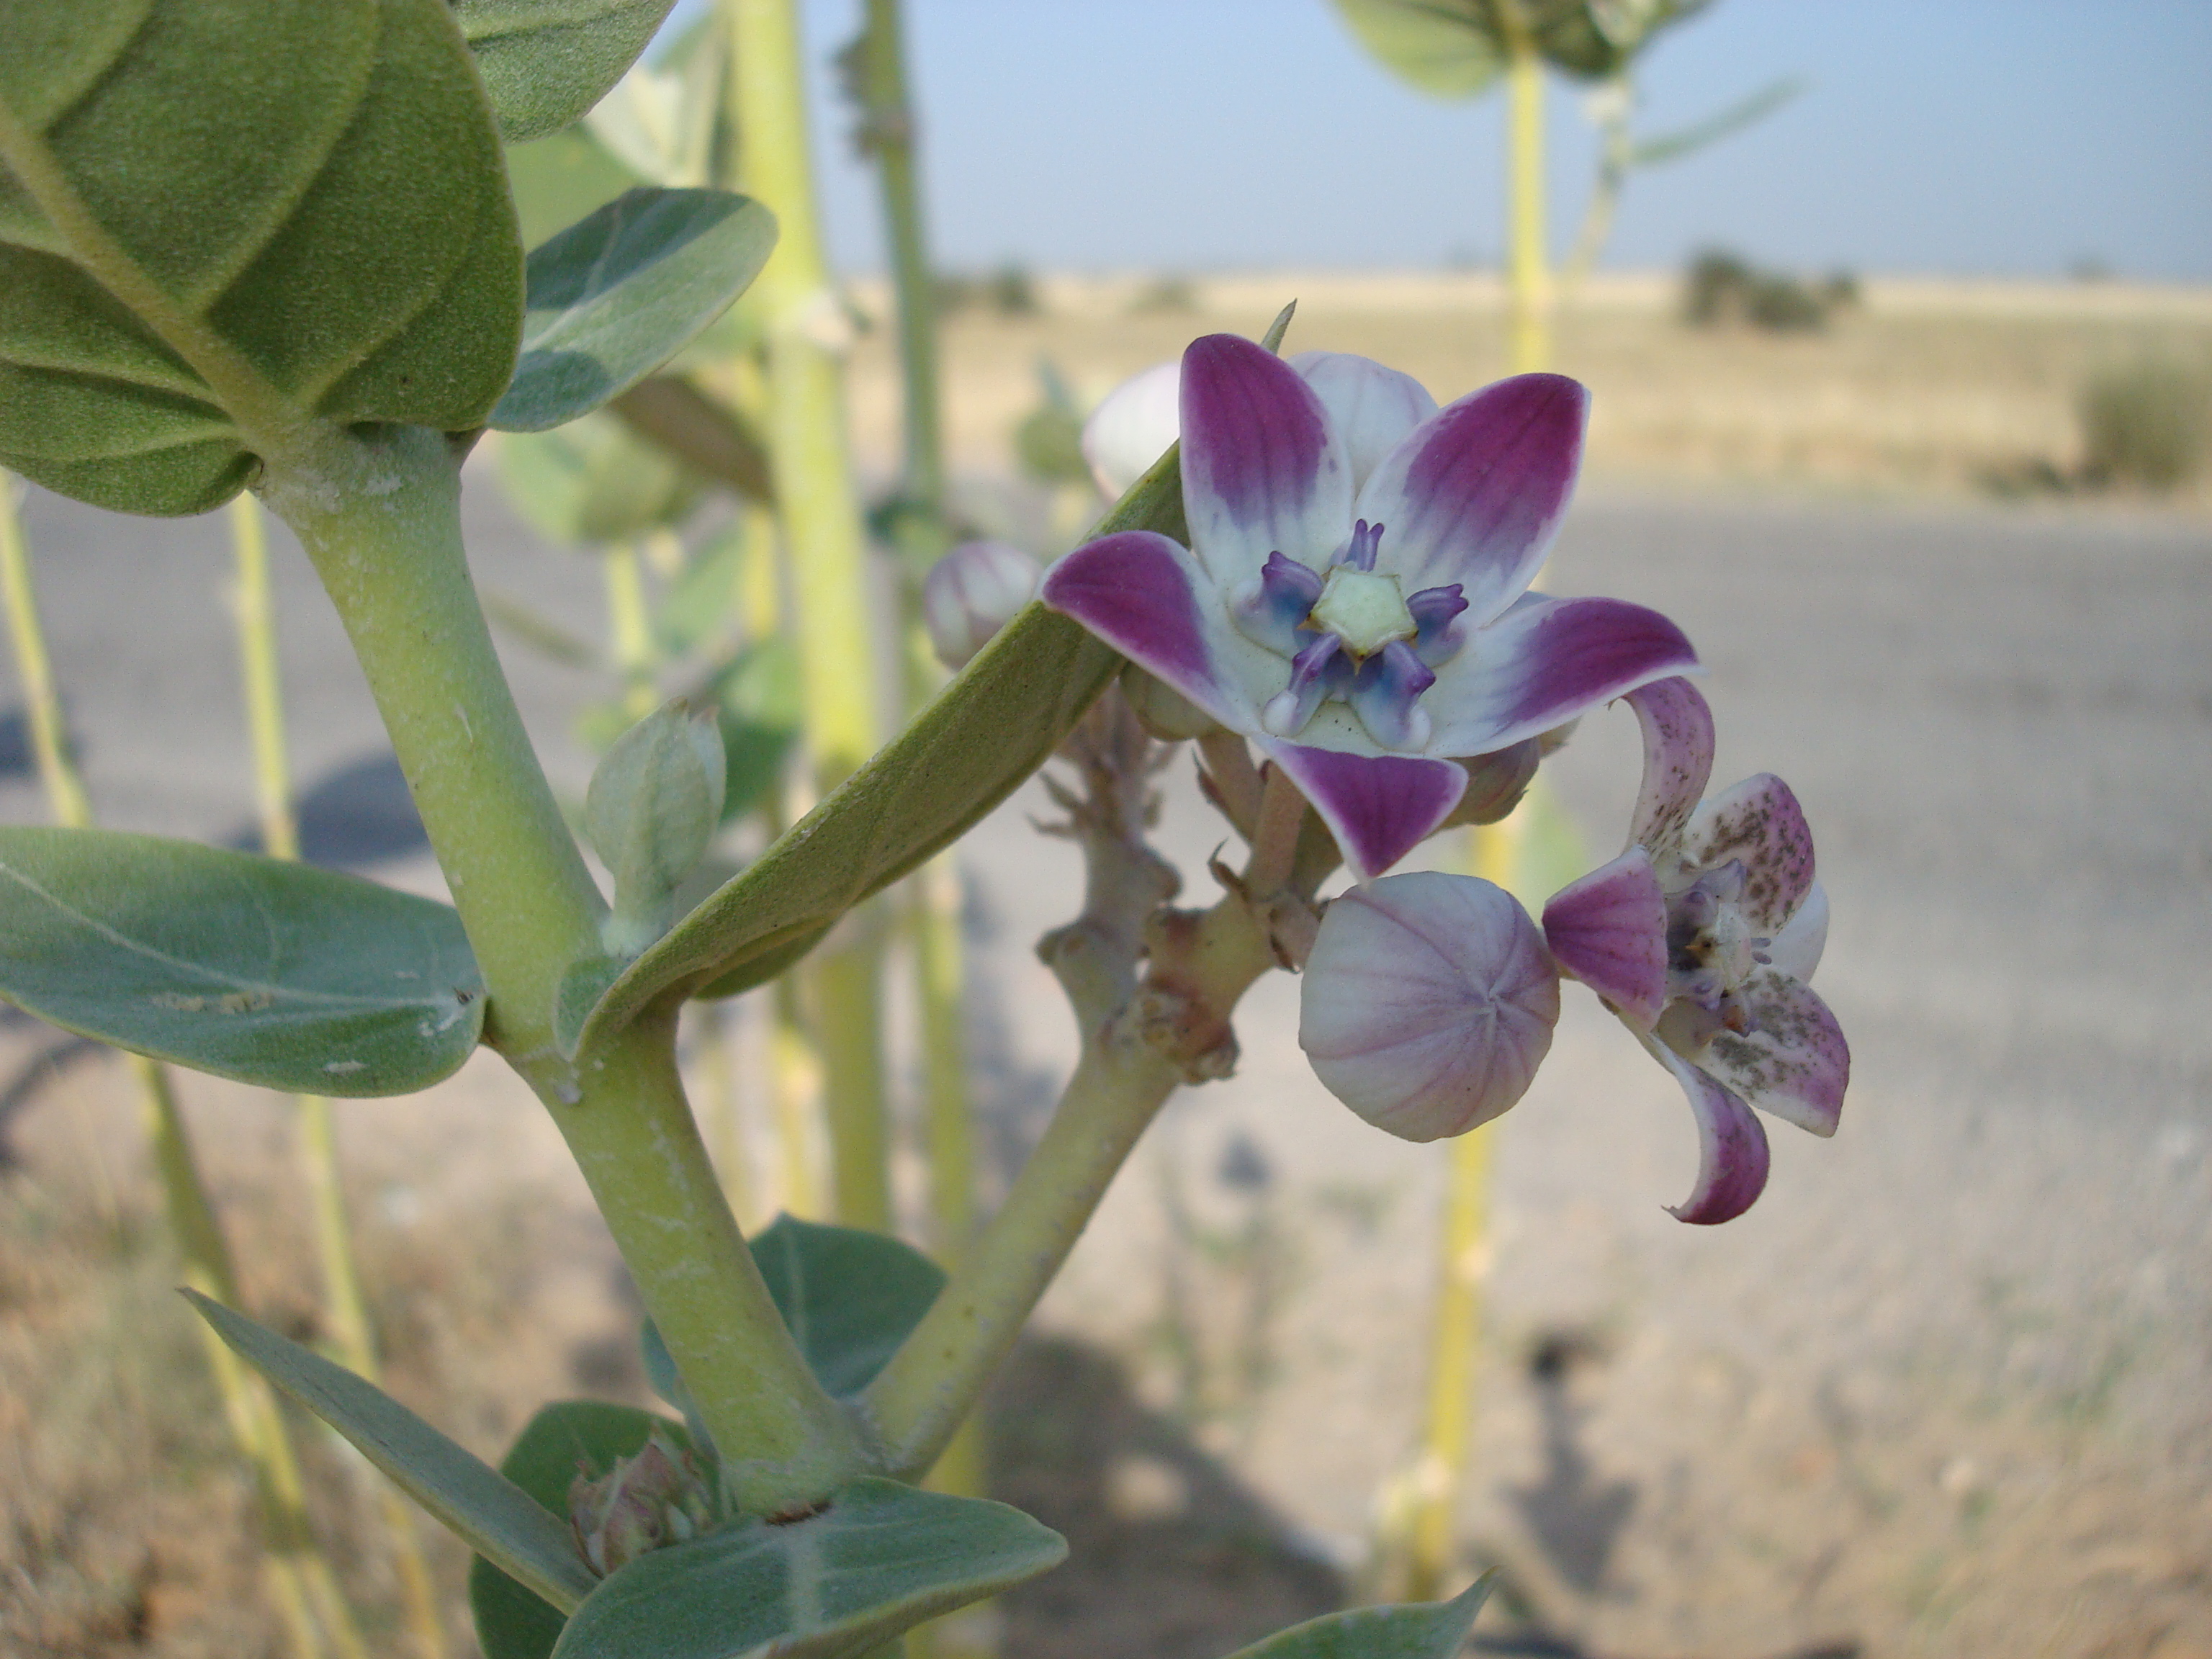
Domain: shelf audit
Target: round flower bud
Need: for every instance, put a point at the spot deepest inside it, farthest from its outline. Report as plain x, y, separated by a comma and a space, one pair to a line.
1132, 427
1428, 1003
1162, 711
971, 593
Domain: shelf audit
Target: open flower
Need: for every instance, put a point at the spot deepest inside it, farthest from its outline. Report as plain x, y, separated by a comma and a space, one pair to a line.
1700, 937
1365, 632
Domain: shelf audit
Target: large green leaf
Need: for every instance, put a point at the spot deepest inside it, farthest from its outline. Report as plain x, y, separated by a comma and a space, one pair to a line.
221, 218
880, 1559
497, 1518
997, 722
614, 297
758, 697
514, 1623
273, 973
545, 62
1433, 1630
557, 180
591, 484
849, 1298
1442, 48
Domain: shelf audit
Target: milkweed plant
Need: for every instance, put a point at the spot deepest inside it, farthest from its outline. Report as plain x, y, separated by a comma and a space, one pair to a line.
269, 246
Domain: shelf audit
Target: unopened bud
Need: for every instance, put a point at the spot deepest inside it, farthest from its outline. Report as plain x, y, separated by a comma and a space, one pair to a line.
644, 1503
1132, 427
1428, 1003
1162, 711
654, 803
1496, 783
971, 593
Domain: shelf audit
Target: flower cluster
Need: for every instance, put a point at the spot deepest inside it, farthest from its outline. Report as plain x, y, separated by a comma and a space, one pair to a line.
1354, 602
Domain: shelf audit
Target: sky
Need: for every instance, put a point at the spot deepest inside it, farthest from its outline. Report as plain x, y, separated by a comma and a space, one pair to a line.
2018, 137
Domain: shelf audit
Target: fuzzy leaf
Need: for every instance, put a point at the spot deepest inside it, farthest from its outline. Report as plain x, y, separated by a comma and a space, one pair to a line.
998, 721
881, 1559
514, 1623
497, 1518
614, 297
276, 974
1433, 1630
220, 218
849, 1296
1442, 47
758, 697
545, 62
558, 180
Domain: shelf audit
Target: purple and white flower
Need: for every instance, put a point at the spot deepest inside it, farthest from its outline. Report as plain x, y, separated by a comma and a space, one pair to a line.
1701, 938
1366, 628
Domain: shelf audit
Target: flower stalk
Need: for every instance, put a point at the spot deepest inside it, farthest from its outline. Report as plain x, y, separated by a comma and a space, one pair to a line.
345, 1306
308, 1602
1528, 259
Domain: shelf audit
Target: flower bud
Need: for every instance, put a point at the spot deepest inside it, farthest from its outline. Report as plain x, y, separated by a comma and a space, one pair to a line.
654, 803
1428, 1003
656, 1499
971, 593
1132, 427
1496, 783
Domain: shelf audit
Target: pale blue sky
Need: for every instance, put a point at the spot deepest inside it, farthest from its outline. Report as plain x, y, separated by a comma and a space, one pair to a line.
2014, 137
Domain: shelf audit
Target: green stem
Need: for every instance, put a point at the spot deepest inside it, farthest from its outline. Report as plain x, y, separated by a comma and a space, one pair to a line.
630, 626
299, 1580
1454, 1336
848, 1018
934, 896
345, 1306
379, 516
1527, 261
889, 134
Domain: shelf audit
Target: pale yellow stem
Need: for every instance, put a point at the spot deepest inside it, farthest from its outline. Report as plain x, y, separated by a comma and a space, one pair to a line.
629, 627
1528, 262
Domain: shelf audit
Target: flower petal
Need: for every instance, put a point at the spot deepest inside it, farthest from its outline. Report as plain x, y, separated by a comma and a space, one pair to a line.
1760, 822
1475, 494
1732, 1155
1151, 600
1796, 951
1427, 1003
1677, 762
1609, 931
1544, 662
1378, 807
1262, 471
1794, 1062
1132, 427
1371, 406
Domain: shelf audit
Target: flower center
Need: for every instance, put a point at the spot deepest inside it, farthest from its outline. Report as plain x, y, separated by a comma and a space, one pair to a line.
1711, 951
1364, 609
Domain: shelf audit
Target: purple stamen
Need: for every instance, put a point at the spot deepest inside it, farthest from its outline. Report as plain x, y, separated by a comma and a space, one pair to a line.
1366, 542
1385, 694
1271, 614
1319, 669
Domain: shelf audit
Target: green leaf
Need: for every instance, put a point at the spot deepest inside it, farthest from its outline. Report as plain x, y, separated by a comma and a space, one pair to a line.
558, 180
1723, 124
1445, 48
614, 297
881, 1559
1434, 1630
849, 1298
511, 1621
591, 484
758, 694
545, 62
271, 973
702, 601
497, 1518
998, 721
220, 219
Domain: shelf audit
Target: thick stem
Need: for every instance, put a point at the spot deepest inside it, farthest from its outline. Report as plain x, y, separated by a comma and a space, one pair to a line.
49, 741
921, 1397
849, 1020
379, 518
1454, 1336
934, 893
1527, 261
345, 1307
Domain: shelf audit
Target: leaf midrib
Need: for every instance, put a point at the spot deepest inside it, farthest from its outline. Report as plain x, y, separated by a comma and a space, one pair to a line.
276, 988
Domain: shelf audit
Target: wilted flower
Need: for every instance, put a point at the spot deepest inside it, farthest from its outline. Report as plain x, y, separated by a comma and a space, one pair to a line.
655, 1499
1367, 632
1700, 937
971, 593
1428, 1003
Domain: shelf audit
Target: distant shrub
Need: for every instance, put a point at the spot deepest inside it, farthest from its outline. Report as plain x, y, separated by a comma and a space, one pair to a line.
2144, 424
1722, 288
1010, 291
1166, 293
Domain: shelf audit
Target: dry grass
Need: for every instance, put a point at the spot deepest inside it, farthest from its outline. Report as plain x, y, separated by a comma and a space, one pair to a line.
1957, 387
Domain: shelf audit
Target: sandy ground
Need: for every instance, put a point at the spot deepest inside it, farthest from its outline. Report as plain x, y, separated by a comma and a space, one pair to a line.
1944, 1392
